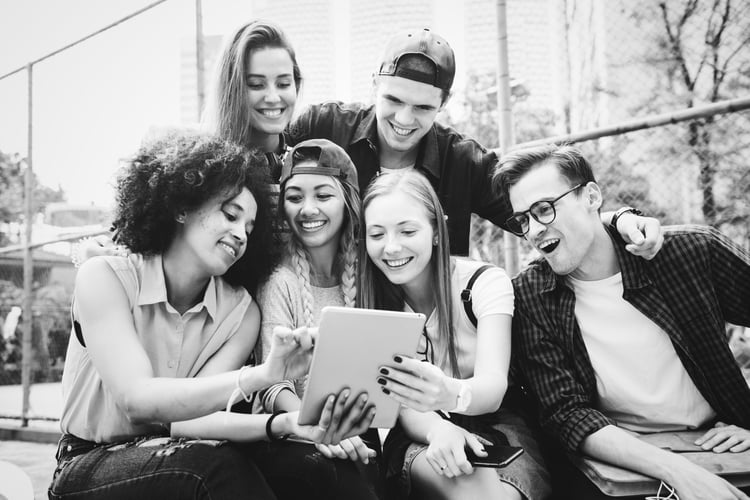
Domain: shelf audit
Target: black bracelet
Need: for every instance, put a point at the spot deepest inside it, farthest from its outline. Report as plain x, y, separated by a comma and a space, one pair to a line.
624, 210
270, 435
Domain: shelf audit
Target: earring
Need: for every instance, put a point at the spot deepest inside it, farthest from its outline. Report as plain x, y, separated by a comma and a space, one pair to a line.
434, 242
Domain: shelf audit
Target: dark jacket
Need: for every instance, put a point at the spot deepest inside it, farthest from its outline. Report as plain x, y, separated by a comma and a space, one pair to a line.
458, 168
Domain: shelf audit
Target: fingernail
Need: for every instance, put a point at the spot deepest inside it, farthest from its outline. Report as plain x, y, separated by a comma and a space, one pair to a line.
381, 381
384, 371
397, 359
385, 391
363, 399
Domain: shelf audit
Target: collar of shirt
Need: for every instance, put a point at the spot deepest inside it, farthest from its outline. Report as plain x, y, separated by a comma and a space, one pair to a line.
154, 287
634, 269
428, 157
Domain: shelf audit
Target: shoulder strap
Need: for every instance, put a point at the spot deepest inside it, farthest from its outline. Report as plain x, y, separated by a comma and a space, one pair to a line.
466, 294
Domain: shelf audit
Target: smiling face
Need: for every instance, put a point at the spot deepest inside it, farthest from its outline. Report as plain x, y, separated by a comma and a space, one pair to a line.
216, 233
399, 238
272, 92
314, 207
405, 111
568, 241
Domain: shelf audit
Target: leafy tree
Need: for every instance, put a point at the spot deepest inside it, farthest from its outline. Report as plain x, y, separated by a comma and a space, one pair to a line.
12, 172
701, 55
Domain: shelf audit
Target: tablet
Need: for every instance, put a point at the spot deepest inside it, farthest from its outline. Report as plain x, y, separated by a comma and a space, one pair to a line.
351, 347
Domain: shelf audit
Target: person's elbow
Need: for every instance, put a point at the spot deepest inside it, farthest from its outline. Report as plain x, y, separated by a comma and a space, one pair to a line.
139, 408
497, 385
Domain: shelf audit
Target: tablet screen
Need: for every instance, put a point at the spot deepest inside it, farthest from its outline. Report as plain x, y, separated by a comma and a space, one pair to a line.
352, 345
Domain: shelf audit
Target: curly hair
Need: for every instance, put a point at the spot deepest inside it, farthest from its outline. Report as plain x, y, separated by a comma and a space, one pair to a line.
178, 173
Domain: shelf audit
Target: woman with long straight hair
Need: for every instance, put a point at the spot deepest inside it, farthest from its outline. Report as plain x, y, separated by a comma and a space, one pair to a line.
452, 396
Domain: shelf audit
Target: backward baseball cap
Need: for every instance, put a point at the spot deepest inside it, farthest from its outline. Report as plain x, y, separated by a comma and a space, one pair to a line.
423, 43
331, 160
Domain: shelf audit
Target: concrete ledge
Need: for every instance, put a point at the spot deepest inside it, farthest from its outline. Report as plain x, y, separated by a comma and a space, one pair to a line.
10, 433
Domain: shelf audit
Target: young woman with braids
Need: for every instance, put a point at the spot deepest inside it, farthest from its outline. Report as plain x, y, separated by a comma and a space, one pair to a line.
161, 337
320, 203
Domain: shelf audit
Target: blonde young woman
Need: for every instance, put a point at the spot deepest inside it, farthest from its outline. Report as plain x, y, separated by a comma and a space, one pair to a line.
451, 397
319, 202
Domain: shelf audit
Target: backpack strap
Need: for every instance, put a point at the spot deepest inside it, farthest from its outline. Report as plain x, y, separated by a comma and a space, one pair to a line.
466, 293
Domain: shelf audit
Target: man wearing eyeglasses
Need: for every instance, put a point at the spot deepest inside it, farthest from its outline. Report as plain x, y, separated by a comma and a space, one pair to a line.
608, 343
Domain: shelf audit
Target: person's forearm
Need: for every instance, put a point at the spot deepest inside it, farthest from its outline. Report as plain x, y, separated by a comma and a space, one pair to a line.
616, 446
488, 391
286, 400
607, 217
238, 427
417, 424
166, 400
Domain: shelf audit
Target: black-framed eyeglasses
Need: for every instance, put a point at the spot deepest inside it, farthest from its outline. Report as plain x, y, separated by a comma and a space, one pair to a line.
428, 353
542, 211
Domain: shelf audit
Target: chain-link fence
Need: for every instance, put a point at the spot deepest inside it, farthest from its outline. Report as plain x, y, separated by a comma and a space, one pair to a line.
585, 65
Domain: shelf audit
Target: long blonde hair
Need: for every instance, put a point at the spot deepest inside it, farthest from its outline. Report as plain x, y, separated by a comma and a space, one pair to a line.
377, 292
346, 256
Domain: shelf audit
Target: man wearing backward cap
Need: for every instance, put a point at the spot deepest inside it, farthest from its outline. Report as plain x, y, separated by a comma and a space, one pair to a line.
399, 131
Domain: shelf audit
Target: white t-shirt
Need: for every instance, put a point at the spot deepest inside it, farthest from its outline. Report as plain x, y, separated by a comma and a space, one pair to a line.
642, 383
492, 293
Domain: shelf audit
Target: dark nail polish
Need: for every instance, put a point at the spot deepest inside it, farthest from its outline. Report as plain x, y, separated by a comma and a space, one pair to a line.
384, 371
397, 359
381, 381
386, 391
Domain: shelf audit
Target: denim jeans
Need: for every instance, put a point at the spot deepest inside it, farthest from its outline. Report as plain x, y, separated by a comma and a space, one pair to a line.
159, 468
297, 470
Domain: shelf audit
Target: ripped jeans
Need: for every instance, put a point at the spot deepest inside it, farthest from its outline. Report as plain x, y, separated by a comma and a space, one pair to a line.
157, 468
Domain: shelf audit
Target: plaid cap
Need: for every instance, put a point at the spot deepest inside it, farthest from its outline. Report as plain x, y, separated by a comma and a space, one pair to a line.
426, 44
331, 160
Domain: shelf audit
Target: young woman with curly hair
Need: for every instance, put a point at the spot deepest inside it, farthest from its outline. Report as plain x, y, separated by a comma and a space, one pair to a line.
161, 337
453, 393
320, 205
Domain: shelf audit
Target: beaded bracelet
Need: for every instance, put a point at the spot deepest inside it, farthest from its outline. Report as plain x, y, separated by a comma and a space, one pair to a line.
270, 435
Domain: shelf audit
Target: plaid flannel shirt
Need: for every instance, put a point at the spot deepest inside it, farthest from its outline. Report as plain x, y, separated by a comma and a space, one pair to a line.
698, 281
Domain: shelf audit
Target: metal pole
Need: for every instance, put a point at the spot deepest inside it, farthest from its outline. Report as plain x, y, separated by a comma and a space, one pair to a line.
200, 82
28, 263
505, 121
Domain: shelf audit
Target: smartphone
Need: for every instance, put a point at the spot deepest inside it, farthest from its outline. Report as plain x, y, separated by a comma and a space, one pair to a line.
497, 456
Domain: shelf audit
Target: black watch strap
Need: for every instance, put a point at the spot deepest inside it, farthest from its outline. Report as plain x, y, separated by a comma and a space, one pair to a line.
621, 211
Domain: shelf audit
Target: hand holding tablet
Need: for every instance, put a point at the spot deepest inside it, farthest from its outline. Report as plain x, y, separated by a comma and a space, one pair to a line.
352, 345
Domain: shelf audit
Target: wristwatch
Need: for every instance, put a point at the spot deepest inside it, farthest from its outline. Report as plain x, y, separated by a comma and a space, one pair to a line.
463, 400
621, 211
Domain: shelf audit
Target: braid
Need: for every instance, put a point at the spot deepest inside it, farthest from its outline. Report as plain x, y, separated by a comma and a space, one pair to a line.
349, 274
302, 268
